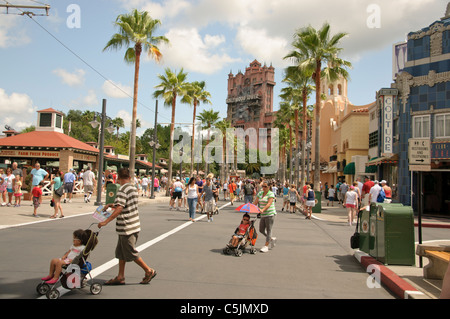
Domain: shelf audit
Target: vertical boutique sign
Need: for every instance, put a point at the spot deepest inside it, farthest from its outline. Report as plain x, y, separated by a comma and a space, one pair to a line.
388, 124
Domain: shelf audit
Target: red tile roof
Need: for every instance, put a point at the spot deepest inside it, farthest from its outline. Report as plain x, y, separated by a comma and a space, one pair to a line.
46, 139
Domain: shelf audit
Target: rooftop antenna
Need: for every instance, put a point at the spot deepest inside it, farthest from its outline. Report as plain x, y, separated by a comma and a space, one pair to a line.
42, 6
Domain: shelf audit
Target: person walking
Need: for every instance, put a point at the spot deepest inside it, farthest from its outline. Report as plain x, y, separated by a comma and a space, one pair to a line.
126, 213
268, 212
89, 184
331, 193
387, 191
374, 192
292, 197
232, 189
192, 197
57, 194
367, 186
310, 201
209, 202
69, 181
351, 203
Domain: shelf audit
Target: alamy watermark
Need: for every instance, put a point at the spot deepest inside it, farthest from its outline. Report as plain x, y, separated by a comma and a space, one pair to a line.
374, 279
229, 147
74, 19
374, 19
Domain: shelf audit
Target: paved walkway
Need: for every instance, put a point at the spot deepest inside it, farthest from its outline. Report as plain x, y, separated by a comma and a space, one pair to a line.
405, 281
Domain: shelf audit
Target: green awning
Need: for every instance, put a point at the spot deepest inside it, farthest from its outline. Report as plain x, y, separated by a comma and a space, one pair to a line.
371, 169
349, 169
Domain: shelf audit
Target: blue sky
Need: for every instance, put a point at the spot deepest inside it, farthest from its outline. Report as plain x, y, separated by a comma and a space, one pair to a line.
208, 39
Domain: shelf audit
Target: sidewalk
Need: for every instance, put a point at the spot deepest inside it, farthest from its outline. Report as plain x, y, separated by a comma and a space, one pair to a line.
18, 216
406, 282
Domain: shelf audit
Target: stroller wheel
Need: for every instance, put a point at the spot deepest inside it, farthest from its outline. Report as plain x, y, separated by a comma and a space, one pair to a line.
238, 253
252, 251
42, 288
227, 251
53, 294
96, 289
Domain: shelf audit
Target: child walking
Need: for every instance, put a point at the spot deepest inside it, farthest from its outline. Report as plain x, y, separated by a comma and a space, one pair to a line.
37, 197
56, 264
17, 191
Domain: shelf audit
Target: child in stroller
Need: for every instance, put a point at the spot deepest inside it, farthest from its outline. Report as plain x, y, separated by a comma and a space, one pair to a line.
244, 235
64, 270
56, 264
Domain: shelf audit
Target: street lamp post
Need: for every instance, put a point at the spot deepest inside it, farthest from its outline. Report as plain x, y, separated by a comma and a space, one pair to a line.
155, 145
102, 128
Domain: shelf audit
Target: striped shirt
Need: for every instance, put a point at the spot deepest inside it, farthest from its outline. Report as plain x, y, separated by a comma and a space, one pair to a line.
263, 200
127, 222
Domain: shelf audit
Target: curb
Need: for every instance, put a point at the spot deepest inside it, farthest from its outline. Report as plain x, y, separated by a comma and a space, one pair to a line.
391, 280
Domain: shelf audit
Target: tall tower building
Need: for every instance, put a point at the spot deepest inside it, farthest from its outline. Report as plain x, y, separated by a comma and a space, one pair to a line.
250, 98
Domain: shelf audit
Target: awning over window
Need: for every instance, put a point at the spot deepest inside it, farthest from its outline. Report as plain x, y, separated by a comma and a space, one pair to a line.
383, 160
349, 169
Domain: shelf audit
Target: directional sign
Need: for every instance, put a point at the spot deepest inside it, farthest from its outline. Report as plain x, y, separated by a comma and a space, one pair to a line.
419, 151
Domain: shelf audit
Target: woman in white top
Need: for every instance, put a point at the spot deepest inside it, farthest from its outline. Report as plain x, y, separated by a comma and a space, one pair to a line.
351, 202
192, 197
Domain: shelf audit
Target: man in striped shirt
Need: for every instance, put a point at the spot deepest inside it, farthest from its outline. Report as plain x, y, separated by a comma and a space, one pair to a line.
125, 211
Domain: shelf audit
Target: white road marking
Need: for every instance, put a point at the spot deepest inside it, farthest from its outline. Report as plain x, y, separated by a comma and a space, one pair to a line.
113, 262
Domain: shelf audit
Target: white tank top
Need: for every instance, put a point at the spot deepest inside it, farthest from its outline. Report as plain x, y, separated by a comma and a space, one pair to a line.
192, 192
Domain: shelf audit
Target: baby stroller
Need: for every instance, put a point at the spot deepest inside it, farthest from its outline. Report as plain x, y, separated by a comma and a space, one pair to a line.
248, 239
74, 275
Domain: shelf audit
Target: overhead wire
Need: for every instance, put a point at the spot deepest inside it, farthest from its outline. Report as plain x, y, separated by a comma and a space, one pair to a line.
84, 61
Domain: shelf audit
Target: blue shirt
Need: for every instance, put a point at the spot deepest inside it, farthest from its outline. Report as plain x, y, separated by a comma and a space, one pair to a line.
38, 175
69, 177
285, 190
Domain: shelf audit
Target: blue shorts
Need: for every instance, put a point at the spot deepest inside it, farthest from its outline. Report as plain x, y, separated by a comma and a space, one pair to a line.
331, 199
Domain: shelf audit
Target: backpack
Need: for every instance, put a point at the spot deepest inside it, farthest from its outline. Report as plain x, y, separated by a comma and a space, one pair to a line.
382, 196
248, 189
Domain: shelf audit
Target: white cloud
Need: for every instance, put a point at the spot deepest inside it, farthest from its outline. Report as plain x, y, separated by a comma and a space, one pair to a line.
263, 47
126, 116
117, 90
190, 51
75, 78
17, 109
11, 33
86, 101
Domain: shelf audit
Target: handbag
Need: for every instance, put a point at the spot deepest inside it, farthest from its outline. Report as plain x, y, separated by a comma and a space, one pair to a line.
354, 240
59, 191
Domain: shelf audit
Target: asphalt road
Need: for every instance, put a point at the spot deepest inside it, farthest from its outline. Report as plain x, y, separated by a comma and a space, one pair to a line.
312, 259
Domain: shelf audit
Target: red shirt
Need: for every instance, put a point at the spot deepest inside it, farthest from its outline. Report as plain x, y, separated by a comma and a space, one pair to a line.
243, 228
37, 192
367, 186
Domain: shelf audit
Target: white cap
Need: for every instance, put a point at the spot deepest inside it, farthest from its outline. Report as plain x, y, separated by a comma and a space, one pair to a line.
383, 182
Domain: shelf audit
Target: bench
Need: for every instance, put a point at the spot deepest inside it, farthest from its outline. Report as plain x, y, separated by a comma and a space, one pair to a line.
439, 258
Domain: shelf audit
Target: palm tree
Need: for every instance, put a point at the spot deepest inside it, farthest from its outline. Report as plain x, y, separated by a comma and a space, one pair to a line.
136, 29
314, 49
172, 85
198, 94
222, 126
301, 84
118, 123
286, 116
208, 118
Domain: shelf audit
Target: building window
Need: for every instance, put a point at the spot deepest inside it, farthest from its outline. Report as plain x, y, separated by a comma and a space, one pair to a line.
442, 124
45, 120
58, 121
373, 139
421, 126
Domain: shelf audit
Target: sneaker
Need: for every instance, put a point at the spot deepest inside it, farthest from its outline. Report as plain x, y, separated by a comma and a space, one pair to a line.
265, 249
70, 201
273, 242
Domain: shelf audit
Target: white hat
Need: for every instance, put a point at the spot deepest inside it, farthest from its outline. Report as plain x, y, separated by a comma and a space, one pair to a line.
383, 182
